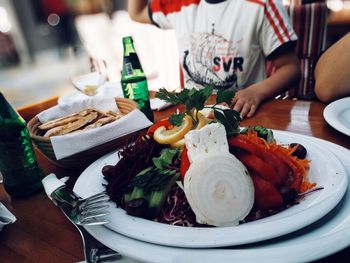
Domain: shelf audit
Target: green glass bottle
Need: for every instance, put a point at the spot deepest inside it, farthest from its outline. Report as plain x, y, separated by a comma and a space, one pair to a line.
21, 174
133, 81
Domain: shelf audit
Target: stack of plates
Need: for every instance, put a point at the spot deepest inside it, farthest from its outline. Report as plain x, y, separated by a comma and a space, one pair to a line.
317, 227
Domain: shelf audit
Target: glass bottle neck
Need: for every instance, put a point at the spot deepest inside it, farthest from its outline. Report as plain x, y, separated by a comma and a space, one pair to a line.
6, 111
131, 64
128, 49
128, 45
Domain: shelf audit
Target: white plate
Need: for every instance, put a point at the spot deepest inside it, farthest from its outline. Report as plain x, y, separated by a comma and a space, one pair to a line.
337, 114
325, 169
325, 237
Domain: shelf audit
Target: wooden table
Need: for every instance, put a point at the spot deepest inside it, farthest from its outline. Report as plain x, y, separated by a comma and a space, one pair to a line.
43, 234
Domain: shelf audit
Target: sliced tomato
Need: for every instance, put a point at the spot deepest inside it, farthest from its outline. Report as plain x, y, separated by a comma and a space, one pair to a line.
261, 168
163, 122
185, 163
266, 195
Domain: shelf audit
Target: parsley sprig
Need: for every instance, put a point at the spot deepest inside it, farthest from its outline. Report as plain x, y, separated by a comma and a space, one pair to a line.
194, 101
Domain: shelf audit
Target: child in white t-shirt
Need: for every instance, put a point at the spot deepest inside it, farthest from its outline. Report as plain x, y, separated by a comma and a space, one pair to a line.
225, 43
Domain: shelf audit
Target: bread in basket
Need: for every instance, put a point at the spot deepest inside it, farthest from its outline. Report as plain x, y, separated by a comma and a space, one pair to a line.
82, 159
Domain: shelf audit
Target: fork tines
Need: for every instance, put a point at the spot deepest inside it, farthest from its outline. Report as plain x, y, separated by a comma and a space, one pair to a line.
90, 210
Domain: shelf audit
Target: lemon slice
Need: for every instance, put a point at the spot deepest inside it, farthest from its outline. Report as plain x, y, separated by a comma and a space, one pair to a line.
164, 136
178, 144
202, 121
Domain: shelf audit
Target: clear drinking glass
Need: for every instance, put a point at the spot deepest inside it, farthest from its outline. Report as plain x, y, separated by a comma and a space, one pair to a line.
89, 83
89, 74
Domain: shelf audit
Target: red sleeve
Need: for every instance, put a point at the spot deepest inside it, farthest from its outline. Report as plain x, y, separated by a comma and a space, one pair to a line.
170, 6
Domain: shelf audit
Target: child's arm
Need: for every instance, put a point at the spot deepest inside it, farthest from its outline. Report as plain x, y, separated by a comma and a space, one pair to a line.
331, 73
287, 73
138, 11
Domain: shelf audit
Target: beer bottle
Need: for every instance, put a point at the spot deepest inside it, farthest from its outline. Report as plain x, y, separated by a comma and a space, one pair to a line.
133, 81
21, 174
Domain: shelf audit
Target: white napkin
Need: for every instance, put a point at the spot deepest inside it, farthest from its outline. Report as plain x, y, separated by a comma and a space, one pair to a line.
51, 183
6, 217
69, 144
158, 104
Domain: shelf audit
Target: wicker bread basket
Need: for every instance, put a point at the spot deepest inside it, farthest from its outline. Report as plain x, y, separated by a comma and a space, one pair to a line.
82, 159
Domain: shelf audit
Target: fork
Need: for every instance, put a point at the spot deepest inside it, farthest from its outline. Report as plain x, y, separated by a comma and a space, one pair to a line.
89, 212
95, 251
86, 211
82, 212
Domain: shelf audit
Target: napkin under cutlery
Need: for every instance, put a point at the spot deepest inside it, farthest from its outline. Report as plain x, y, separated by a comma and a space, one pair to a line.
6, 217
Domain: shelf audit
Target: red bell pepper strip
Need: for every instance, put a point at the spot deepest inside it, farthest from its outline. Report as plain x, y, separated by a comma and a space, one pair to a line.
261, 168
295, 167
276, 162
242, 142
185, 163
266, 195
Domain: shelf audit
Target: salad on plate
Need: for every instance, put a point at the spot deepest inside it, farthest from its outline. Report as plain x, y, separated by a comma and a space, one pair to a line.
198, 168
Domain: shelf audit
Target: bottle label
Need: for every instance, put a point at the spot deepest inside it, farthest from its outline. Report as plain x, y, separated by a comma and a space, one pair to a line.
132, 67
17, 152
136, 91
129, 69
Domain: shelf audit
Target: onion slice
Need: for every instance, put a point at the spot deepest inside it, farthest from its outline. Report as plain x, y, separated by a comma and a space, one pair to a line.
217, 185
219, 190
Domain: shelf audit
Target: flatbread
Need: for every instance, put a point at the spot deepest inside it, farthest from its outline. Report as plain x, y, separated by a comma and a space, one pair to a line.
84, 120
100, 122
72, 126
64, 120
115, 114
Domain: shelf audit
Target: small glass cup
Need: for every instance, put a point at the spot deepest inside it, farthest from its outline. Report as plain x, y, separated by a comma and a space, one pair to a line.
89, 83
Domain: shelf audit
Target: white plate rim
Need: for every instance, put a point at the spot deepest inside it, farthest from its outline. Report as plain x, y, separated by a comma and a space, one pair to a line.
331, 112
163, 234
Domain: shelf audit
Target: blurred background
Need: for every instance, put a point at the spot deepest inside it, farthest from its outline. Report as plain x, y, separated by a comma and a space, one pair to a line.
43, 43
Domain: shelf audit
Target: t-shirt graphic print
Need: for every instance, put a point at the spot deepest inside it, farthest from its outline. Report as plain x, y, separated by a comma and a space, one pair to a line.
211, 59
226, 43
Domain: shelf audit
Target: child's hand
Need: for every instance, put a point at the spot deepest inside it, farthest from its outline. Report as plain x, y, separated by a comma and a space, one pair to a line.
247, 101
